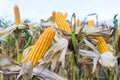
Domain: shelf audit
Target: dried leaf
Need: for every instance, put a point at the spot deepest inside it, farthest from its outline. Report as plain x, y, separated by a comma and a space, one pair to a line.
88, 53
102, 32
61, 45
110, 47
21, 26
88, 30
5, 34
107, 59
46, 23
7, 31
55, 62
48, 73
26, 71
26, 51
95, 61
8, 64
63, 33
91, 46
91, 54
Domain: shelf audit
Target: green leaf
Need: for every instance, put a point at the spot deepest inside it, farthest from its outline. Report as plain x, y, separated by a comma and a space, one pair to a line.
115, 16
28, 42
11, 43
19, 57
73, 39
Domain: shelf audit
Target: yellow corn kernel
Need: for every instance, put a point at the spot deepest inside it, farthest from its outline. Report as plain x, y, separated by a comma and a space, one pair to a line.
101, 44
41, 46
17, 15
62, 23
31, 27
53, 16
65, 15
77, 23
118, 31
91, 23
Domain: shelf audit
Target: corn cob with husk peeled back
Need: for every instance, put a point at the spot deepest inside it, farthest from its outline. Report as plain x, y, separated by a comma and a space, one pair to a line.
118, 31
53, 16
77, 23
65, 15
62, 23
17, 15
107, 58
31, 27
91, 23
41, 46
101, 45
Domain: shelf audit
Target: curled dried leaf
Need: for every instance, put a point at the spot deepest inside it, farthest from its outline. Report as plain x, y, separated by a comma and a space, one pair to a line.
48, 73
7, 31
26, 71
107, 59
91, 54
89, 44
88, 30
8, 64
61, 46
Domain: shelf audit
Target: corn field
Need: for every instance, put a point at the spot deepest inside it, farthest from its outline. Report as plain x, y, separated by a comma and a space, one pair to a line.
59, 49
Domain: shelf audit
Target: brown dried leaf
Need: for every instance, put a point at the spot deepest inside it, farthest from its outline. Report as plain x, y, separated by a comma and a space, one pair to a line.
8, 64
26, 71
7, 31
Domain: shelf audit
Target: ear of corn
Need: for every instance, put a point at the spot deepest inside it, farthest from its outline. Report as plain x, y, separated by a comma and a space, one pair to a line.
77, 23
61, 22
31, 26
101, 44
118, 31
65, 15
41, 46
91, 23
53, 16
17, 15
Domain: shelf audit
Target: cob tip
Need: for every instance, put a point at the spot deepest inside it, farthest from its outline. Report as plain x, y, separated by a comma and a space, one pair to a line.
91, 23
17, 14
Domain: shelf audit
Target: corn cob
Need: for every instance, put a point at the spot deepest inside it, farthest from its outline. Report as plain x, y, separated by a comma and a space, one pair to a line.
77, 23
53, 16
17, 15
41, 46
101, 44
65, 15
91, 23
31, 26
61, 22
118, 31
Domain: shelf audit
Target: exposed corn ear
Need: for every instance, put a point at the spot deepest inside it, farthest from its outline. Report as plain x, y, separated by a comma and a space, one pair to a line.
118, 31
61, 22
91, 23
65, 15
77, 23
31, 26
17, 15
41, 46
53, 16
101, 44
